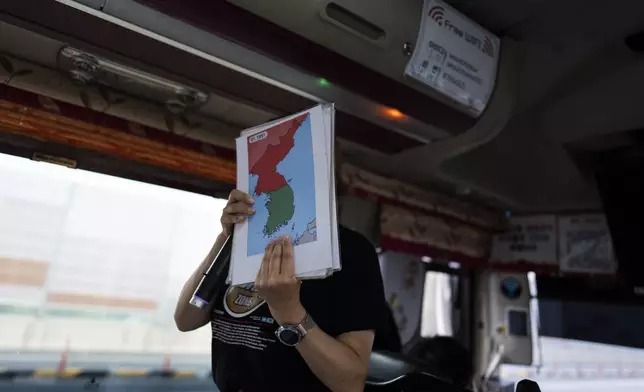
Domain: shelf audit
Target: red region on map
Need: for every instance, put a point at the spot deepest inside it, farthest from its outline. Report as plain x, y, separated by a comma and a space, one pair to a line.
265, 154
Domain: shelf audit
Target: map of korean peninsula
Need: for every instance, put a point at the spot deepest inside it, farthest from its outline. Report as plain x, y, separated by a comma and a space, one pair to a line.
282, 182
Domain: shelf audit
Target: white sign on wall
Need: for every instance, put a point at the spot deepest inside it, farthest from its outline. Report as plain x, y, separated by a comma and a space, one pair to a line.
585, 244
531, 239
455, 56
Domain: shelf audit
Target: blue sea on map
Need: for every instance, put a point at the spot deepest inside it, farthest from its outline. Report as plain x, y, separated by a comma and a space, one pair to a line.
298, 169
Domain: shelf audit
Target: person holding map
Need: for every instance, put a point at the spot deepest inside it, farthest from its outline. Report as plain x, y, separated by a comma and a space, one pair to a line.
336, 317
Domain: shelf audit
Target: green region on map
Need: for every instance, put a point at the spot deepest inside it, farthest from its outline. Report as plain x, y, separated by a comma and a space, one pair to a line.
281, 207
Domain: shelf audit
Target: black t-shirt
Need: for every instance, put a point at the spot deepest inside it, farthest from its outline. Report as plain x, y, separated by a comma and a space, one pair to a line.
387, 335
246, 354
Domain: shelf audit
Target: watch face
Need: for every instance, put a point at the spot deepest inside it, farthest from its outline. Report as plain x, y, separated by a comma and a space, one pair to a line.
288, 335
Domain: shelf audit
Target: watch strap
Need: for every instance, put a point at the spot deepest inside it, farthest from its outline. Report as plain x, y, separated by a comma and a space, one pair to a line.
306, 324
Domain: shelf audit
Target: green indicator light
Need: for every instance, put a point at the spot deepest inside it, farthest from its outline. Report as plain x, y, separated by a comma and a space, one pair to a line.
323, 82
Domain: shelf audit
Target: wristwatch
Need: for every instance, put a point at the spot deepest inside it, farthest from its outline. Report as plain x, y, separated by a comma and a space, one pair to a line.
291, 335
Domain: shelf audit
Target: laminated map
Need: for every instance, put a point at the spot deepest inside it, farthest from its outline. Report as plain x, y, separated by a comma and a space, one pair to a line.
286, 166
281, 178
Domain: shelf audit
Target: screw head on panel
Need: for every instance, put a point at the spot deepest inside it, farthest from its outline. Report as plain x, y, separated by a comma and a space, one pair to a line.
408, 49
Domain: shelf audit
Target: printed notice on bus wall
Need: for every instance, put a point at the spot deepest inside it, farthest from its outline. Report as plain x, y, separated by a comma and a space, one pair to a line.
530, 239
585, 244
455, 56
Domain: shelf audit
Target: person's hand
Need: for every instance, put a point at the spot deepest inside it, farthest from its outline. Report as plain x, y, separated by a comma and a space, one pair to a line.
277, 284
237, 209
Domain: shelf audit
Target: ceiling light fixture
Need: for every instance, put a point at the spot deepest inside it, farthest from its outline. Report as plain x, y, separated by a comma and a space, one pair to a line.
88, 68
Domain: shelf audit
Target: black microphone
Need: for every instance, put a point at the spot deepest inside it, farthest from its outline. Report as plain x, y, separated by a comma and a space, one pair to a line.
214, 278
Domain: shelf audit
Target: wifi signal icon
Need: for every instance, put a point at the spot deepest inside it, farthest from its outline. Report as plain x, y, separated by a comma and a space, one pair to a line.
488, 46
437, 14
511, 288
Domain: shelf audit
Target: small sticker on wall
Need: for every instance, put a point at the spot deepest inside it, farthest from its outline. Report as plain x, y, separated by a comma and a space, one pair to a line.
511, 288
518, 321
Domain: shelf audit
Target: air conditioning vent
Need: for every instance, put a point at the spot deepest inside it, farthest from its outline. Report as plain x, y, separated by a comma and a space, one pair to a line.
372, 33
354, 22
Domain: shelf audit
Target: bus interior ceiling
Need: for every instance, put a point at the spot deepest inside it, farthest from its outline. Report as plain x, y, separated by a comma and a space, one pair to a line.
567, 89
575, 76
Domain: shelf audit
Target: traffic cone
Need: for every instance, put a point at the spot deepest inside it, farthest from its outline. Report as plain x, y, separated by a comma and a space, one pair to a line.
167, 365
64, 356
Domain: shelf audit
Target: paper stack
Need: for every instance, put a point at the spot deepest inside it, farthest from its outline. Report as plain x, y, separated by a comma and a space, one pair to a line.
287, 167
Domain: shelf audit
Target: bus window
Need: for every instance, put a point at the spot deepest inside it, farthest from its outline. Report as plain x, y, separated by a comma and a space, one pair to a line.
91, 267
